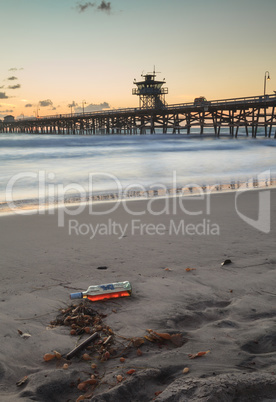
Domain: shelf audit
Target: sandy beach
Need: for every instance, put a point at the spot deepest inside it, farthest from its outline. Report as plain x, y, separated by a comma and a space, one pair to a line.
172, 256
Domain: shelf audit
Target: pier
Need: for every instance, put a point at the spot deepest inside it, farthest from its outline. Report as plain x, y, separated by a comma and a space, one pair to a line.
251, 113
154, 115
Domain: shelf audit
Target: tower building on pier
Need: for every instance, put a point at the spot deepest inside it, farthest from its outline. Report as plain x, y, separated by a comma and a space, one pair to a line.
151, 92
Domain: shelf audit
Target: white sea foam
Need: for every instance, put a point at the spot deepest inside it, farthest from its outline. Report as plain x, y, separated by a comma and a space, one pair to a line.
139, 163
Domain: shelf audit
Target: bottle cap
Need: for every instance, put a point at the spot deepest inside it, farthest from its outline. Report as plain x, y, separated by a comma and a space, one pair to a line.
76, 295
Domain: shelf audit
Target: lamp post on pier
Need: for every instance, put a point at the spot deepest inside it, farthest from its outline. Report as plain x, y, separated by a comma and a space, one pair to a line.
36, 112
83, 103
266, 77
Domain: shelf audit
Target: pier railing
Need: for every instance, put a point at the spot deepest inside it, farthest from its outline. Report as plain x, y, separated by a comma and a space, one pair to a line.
263, 99
230, 101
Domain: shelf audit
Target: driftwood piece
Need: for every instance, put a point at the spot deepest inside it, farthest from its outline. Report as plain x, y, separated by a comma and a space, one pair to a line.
82, 345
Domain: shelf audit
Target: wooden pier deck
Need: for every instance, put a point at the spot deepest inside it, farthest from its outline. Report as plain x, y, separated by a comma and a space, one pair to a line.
250, 113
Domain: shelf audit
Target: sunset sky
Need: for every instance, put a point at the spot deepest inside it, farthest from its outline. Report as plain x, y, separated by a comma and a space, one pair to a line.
60, 52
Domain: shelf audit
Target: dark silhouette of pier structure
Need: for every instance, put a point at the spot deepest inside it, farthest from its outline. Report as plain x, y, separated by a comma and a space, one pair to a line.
154, 115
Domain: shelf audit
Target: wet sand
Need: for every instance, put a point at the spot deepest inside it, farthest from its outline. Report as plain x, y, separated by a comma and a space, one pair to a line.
228, 310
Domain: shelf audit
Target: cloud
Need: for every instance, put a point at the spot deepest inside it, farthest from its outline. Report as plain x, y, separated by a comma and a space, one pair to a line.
14, 86
12, 78
3, 95
93, 107
16, 69
3, 113
83, 7
45, 103
104, 6
28, 105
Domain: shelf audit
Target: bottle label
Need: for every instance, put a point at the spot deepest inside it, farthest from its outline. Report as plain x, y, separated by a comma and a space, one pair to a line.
107, 287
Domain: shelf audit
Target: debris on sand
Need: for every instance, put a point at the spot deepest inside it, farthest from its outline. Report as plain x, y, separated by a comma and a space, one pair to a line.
199, 354
103, 344
22, 381
226, 262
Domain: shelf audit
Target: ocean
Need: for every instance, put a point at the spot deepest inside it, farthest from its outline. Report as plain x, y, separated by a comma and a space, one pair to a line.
48, 168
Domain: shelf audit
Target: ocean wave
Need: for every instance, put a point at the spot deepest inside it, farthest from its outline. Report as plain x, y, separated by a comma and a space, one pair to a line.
143, 160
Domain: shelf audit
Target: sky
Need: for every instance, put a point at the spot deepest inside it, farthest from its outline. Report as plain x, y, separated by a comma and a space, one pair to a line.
58, 56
